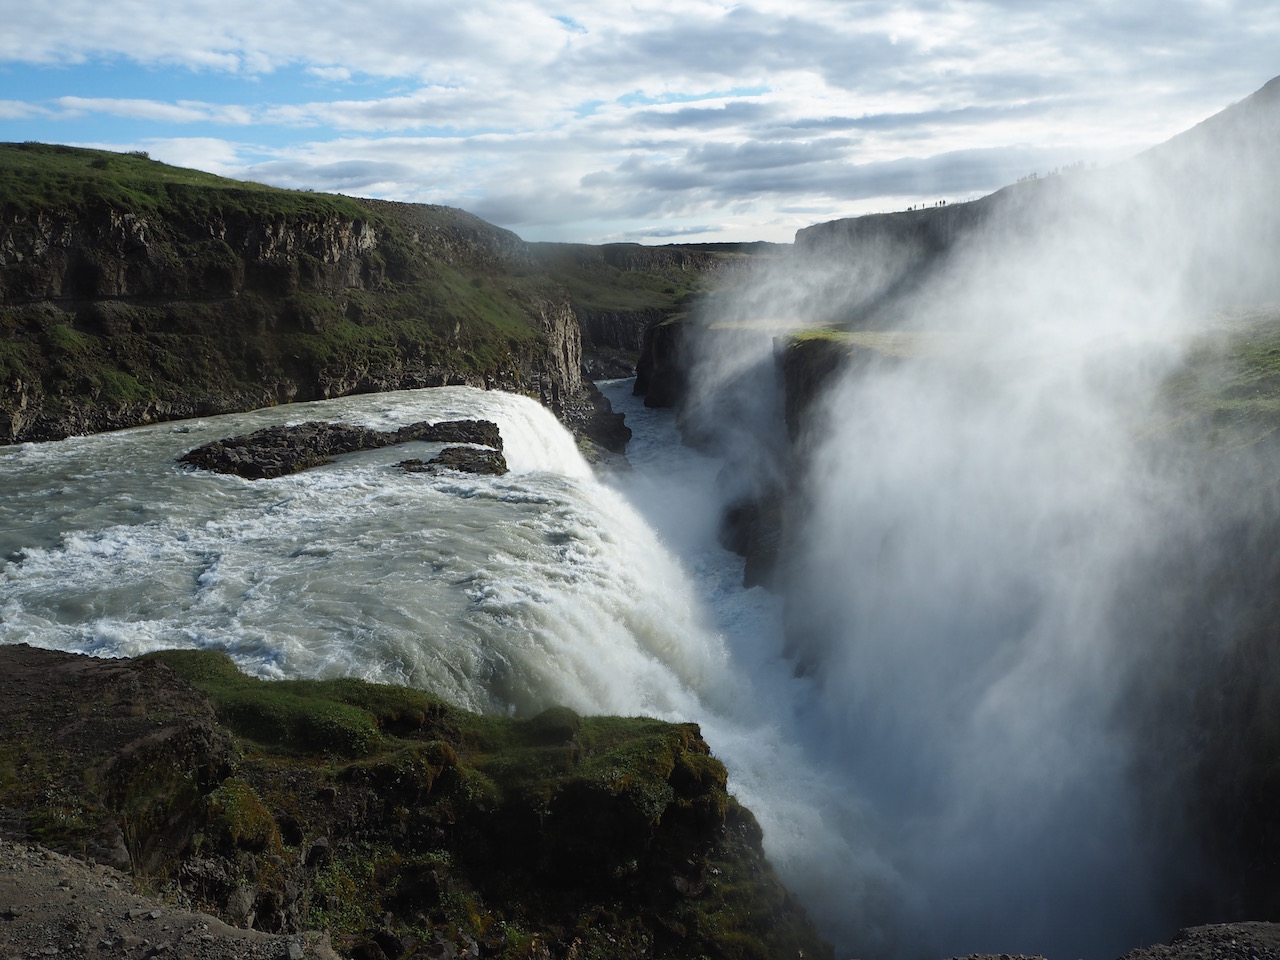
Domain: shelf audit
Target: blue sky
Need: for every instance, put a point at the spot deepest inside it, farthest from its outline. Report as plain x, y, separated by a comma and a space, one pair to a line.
631, 121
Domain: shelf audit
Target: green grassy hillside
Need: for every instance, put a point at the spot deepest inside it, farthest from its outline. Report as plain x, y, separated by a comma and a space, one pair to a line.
38, 177
131, 290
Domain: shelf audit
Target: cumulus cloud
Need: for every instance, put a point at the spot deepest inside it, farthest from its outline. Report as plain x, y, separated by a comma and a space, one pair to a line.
638, 109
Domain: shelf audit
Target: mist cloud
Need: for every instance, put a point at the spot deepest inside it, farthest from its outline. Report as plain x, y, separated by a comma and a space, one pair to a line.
1009, 576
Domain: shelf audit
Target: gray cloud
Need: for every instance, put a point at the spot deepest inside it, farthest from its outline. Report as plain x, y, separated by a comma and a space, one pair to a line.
736, 113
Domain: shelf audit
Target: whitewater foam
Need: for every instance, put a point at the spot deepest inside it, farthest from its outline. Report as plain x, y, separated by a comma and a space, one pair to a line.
503, 594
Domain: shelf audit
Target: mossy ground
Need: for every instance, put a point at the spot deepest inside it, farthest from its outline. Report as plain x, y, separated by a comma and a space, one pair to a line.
387, 816
888, 343
1227, 387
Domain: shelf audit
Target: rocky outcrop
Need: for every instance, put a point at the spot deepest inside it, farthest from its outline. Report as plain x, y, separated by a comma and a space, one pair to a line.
661, 374
104, 253
754, 529
403, 826
556, 370
591, 418
810, 365
621, 329
278, 451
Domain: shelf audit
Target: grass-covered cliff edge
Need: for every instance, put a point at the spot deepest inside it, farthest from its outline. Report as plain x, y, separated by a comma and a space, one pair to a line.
388, 818
133, 291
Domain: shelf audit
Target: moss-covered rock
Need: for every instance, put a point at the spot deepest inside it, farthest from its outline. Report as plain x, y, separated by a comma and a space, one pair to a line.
401, 824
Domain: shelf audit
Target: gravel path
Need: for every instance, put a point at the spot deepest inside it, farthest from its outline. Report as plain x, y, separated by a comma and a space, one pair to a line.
57, 906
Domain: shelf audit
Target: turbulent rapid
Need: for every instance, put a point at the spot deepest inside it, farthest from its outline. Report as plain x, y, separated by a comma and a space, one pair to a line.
503, 594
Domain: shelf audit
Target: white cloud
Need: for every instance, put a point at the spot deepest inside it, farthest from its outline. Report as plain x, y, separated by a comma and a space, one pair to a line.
182, 111
331, 74
685, 116
18, 110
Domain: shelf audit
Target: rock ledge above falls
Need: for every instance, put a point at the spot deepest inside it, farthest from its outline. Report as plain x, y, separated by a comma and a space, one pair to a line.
277, 451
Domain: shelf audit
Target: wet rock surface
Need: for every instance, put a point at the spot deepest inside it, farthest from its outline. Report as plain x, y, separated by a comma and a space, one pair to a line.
462, 459
1220, 941
278, 451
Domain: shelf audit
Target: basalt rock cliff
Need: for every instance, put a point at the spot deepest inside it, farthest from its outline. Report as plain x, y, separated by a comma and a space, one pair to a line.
131, 291
622, 291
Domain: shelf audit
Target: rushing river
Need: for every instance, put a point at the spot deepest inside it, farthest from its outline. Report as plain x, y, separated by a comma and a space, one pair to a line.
503, 594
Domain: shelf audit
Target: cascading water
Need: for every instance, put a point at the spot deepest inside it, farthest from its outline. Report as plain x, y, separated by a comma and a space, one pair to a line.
501, 593
505, 594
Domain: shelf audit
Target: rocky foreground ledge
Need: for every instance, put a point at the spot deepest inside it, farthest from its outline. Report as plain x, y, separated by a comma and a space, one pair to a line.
395, 824
56, 905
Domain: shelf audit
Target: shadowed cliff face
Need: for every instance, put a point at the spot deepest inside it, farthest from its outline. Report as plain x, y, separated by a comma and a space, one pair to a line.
104, 253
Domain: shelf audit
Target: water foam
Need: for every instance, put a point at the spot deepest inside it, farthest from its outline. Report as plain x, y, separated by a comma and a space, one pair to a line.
504, 594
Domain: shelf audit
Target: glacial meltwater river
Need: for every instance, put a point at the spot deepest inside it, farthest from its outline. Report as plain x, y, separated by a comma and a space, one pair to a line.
506, 594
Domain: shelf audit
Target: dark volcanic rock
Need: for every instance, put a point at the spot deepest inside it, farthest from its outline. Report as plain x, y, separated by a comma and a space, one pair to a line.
754, 529
483, 432
1247, 941
593, 417
464, 459
661, 374
277, 451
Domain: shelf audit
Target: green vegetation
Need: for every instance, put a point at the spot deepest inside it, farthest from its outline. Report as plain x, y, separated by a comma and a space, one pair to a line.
632, 280
603, 288
37, 177
1227, 387
387, 816
888, 343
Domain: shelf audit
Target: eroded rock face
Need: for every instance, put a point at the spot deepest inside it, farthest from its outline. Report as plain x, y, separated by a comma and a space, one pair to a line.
621, 329
591, 416
220, 300
82, 255
278, 451
662, 374
557, 376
